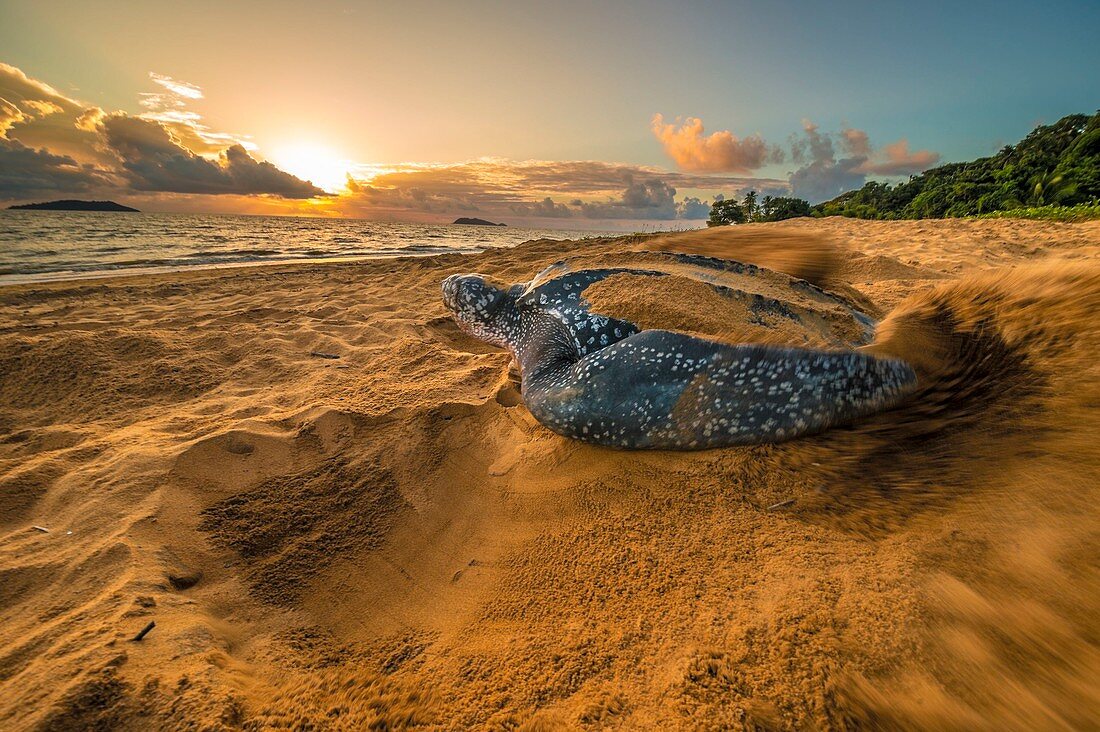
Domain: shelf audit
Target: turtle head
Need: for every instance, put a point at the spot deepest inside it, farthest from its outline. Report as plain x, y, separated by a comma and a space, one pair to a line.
480, 307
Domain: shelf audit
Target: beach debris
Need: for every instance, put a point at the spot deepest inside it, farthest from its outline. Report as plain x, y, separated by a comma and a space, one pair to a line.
144, 631
322, 354
43, 529
781, 504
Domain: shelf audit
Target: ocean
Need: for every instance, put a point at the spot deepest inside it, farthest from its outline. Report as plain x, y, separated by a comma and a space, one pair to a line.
54, 245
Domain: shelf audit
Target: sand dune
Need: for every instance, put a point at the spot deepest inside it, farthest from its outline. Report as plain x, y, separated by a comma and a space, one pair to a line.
388, 538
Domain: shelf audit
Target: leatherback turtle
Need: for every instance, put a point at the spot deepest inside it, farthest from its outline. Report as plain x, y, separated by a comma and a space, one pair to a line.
588, 375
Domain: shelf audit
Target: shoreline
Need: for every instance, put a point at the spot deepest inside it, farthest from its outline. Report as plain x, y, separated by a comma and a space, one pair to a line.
83, 245
126, 272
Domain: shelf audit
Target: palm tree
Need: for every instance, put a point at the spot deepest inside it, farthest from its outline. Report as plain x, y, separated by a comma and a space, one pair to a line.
1047, 189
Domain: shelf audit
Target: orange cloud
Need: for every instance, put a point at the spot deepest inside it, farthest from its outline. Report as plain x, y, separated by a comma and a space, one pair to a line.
719, 152
899, 161
856, 142
90, 119
10, 115
578, 190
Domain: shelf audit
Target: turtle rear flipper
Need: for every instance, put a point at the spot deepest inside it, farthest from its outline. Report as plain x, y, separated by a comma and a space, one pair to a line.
660, 389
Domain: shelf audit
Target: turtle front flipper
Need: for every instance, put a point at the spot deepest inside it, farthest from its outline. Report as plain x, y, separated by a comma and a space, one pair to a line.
665, 390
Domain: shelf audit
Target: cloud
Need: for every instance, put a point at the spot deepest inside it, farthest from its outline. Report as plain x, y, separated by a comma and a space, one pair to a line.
812, 146
547, 208
577, 190
10, 115
39, 116
42, 108
90, 119
855, 142
643, 198
169, 107
164, 149
178, 88
27, 172
821, 180
828, 164
156, 161
719, 152
692, 208
899, 161
824, 174
54, 145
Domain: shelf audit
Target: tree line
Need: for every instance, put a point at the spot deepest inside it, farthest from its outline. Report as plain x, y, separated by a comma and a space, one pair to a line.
1055, 165
768, 208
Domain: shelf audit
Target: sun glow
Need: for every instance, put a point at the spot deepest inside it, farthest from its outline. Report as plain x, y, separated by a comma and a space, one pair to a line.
316, 163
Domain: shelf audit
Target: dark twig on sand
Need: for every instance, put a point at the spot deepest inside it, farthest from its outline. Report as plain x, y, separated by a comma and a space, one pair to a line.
781, 504
320, 354
144, 631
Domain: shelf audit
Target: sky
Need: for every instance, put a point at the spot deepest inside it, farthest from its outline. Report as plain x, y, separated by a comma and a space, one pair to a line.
565, 114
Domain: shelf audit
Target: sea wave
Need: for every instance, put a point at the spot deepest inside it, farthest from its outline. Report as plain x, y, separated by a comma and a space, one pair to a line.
41, 245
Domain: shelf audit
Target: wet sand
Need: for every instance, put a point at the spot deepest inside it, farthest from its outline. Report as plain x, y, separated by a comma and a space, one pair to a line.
388, 538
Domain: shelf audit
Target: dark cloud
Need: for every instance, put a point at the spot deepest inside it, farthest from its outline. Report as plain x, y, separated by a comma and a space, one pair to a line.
547, 208
824, 179
644, 198
692, 208
259, 176
825, 175
812, 146
28, 173
155, 161
54, 144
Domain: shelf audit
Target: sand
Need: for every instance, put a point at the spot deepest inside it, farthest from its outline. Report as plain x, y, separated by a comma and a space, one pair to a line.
388, 539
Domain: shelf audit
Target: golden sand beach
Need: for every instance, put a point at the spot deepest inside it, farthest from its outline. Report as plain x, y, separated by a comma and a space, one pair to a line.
387, 539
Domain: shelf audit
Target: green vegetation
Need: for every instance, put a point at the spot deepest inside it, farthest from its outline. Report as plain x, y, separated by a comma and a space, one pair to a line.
1055, 167
769, 208
1080, 212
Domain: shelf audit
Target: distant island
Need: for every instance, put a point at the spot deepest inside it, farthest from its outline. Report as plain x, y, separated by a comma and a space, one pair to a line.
74, 205
476, 222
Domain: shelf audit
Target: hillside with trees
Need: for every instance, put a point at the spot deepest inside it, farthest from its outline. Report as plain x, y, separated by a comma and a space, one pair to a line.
1056, 165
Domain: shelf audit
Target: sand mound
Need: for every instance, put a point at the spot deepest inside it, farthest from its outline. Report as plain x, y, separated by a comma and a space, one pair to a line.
808, 255
388, 539
734, 316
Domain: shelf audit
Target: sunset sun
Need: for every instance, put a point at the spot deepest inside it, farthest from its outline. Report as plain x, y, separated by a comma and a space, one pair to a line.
313, 162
